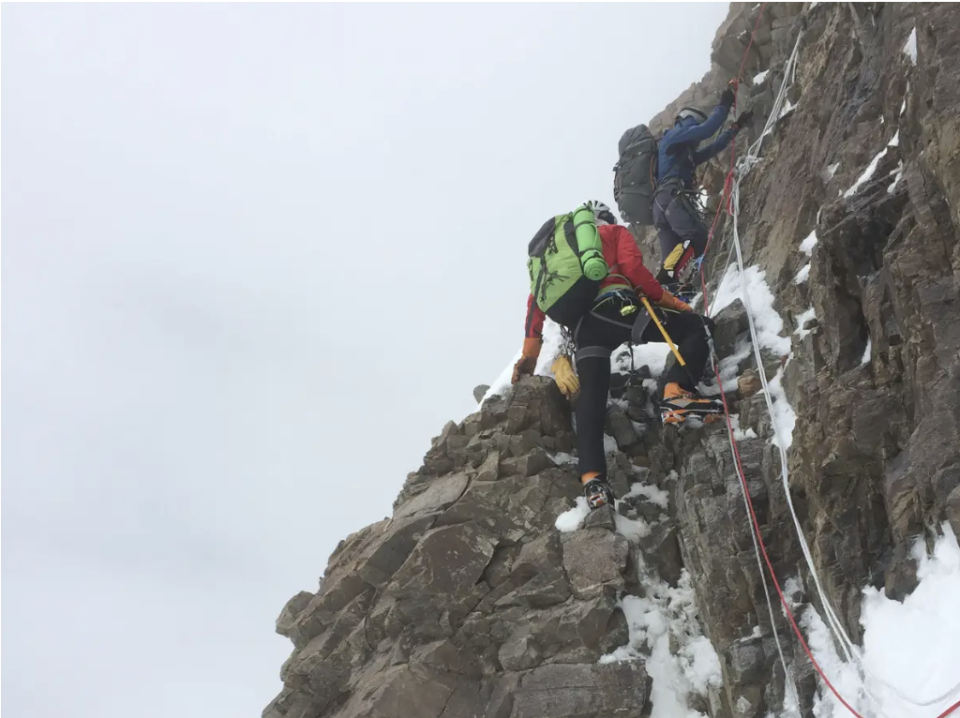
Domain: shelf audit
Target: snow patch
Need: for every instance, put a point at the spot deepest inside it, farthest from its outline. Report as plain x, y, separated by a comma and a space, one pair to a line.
738, 433
765, 318
832, 170
760, 77
652, 355
784, 418
788, 107
895, 142
867, 173
807, 245
910, 47
573, 519
898, 175
730, 366
802, 319
552, 345
910, 648
609, 444
803, 275
653, 494
632, 529
668, 615
561, 458
865, 359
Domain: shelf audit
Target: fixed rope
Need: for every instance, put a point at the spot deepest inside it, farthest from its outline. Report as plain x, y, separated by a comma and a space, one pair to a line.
730, 202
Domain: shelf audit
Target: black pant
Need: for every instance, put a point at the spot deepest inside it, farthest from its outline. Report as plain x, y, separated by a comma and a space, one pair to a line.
603, 330
678, 224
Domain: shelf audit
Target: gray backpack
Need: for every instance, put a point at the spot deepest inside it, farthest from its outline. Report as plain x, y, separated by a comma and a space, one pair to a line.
635, 177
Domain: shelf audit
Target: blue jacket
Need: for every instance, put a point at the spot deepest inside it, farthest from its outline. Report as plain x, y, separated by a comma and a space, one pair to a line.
679, 154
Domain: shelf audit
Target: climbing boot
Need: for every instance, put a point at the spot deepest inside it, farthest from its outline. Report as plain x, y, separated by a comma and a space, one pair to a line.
598, 493
678, 405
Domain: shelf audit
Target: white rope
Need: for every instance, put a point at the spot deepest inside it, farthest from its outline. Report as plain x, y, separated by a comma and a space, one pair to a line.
849, 648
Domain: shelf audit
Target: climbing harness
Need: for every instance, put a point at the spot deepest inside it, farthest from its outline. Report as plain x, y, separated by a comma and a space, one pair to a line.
731, 203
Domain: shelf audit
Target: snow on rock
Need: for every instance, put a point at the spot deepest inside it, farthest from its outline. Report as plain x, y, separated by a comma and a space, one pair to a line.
663, 617
768, 323
807, 245
502, 383
573, 519
898, 175
911, 649
609, 444
653, 494
803, 275
784, 418
865, 359
760, 77
561, 457
632, 529
552, 344
832, 170
738, 433
895, 141
910, 47
802, 319
867, 173
788, 107
653, 355
729, 369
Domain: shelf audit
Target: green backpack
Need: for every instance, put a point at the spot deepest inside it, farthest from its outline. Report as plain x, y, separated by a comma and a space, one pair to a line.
566, 265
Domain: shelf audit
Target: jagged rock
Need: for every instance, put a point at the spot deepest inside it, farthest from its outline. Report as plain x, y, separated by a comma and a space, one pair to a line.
661, 550
490, 468
480, 391
594, 559
573, 691
520, 651
731, 323
602, 518
621, 428
291, 611
468, 602
445, 562
441, 494
526, 464
748, 384
421, 692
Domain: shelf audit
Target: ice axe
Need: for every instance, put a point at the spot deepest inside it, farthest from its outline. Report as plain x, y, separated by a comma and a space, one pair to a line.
666, 337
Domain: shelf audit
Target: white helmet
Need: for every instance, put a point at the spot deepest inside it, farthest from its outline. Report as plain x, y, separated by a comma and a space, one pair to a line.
601, 211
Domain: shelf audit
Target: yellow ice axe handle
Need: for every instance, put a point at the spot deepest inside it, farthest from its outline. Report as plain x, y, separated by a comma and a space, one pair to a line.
666, 337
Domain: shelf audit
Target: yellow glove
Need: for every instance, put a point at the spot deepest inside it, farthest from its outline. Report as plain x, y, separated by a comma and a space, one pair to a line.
564, 375
527, 363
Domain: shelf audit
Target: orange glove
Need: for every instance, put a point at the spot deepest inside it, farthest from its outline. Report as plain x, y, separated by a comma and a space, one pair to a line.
527, 363
668, 301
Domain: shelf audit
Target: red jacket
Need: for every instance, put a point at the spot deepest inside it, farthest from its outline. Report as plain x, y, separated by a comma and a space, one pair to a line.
624, 258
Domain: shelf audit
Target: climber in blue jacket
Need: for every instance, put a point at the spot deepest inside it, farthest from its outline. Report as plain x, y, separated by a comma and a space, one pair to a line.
683, 233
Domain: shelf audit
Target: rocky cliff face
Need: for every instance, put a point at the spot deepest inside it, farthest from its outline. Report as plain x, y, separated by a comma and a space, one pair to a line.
470, 601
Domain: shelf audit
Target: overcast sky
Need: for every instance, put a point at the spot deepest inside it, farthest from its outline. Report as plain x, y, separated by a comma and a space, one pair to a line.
254, 258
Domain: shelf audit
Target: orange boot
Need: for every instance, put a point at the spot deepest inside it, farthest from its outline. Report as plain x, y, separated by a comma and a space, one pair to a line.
678, 404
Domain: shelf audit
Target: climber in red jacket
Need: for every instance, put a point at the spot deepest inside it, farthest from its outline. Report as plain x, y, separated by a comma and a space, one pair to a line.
604, 328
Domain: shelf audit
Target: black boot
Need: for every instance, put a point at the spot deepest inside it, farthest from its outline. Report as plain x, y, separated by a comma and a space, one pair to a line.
598, 493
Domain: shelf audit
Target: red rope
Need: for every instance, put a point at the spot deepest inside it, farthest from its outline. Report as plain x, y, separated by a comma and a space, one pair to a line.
725, 204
